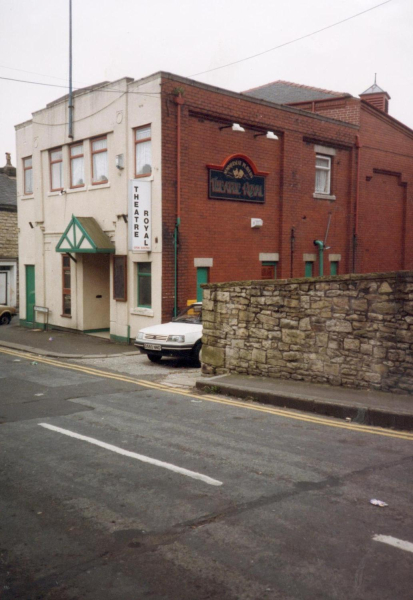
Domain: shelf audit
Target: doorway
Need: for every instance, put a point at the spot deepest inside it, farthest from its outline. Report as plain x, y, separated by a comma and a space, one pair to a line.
30, 293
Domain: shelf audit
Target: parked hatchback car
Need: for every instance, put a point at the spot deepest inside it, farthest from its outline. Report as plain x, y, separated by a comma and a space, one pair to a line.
182, 337
6, 314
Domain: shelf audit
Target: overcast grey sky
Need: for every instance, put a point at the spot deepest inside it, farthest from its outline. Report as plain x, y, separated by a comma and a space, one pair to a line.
114, 38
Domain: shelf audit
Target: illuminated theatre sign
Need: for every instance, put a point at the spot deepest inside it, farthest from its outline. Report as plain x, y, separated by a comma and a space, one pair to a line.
237, 179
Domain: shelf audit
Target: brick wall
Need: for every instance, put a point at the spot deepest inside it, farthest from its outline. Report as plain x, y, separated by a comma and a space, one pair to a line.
354, 330
221, 230
8, 234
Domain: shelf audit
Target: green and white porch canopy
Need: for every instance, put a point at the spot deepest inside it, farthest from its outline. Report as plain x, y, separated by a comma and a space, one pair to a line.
84, 235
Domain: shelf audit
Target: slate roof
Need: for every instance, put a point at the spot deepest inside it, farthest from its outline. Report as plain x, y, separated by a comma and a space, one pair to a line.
285, 92
8, 191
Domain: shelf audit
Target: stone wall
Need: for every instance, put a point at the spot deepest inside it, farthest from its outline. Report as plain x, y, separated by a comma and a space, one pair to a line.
8, 234
351, 330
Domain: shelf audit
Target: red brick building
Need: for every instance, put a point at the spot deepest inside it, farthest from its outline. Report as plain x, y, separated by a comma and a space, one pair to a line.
339, 173
184, 183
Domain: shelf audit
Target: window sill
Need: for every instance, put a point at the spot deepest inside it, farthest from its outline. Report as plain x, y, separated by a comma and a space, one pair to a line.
319, 196
54, 193
66, 316
144, 312
27, 197
98, 186
76, 189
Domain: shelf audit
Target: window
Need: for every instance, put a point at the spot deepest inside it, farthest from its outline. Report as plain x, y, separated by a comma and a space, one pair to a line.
99, 160
143, 151
145, 285
120, 278
309, 269
268, 270
77, 166
334, 267
66, 287
28, 175
56, 170
322, 174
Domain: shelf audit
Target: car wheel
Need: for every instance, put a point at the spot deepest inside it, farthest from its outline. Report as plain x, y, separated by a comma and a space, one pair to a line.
196, 354
155, 358
5, 319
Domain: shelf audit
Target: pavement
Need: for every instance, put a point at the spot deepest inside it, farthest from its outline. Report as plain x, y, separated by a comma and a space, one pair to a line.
367, 407
60, 344
381, 409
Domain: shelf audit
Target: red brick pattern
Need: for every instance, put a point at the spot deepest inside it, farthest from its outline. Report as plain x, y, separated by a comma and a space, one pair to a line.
221, 229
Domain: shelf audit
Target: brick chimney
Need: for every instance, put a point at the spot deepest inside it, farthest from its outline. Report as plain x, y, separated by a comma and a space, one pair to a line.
8, 169
376, 97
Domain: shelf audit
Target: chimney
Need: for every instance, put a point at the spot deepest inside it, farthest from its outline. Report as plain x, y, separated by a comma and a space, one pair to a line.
376, 97
8, 169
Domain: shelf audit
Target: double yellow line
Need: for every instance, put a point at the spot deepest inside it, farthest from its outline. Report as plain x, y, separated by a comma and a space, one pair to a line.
328, 422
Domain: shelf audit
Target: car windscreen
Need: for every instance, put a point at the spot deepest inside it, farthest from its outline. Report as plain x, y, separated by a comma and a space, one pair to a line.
191, 314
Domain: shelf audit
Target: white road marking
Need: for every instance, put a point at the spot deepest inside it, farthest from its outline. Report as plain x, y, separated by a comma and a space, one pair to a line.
392, 541
141, 457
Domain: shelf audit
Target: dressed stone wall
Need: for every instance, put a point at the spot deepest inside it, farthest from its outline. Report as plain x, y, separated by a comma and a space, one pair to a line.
351, 330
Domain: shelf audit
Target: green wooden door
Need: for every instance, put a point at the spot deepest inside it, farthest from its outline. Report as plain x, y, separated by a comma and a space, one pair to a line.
201, 277
30, 293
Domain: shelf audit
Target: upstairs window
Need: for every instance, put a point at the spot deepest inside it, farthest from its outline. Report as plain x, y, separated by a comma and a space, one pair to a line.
99, 160
143, 151
28, 175
77, 166
322, 174
56, 170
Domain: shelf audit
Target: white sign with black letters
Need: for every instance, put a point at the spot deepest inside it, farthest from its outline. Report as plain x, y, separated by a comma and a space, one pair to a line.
140, 216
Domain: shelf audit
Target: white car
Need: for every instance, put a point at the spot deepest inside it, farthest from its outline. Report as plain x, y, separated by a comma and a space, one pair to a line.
180, 338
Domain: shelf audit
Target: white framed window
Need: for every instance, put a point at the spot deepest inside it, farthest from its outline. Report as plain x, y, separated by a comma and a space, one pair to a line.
56, 170
99, 160
28, 175
143, 151
322, 174
77, 166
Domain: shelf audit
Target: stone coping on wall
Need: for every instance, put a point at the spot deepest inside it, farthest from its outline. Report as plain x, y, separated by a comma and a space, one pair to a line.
399, 275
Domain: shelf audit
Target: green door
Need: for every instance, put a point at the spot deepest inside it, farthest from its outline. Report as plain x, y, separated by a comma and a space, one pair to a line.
201, 277
30, 293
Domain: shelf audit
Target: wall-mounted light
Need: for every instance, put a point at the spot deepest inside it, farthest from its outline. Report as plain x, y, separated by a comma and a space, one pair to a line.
256, 223
119, 162
62, 192
234, 127
270, 135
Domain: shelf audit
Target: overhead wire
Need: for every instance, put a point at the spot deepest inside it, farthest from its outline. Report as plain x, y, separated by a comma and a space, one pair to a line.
236, 62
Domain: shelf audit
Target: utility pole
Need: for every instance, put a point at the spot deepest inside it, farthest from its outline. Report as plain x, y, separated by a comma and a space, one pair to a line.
70, 73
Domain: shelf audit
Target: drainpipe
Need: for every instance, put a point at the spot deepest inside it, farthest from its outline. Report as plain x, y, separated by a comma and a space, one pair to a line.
321, 249
356, 204
179, 102
70, 133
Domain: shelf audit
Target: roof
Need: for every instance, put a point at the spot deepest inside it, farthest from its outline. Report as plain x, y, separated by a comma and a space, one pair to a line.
374, 89
84, 235
285, 92
8, 191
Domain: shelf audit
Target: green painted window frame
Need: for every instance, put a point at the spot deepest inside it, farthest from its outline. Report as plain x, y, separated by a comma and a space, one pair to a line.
308, 268
141, 274
334, 267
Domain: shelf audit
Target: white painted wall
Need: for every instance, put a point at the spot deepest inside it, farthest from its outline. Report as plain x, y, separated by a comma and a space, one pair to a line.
96, 113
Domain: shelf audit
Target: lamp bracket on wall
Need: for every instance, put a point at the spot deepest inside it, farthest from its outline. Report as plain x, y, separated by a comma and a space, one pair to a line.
270, 135
234, 127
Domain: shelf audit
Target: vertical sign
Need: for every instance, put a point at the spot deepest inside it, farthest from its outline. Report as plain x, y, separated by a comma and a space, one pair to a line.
140, 216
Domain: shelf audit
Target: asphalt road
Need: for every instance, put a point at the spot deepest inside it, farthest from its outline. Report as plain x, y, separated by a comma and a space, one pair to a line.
113, 489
